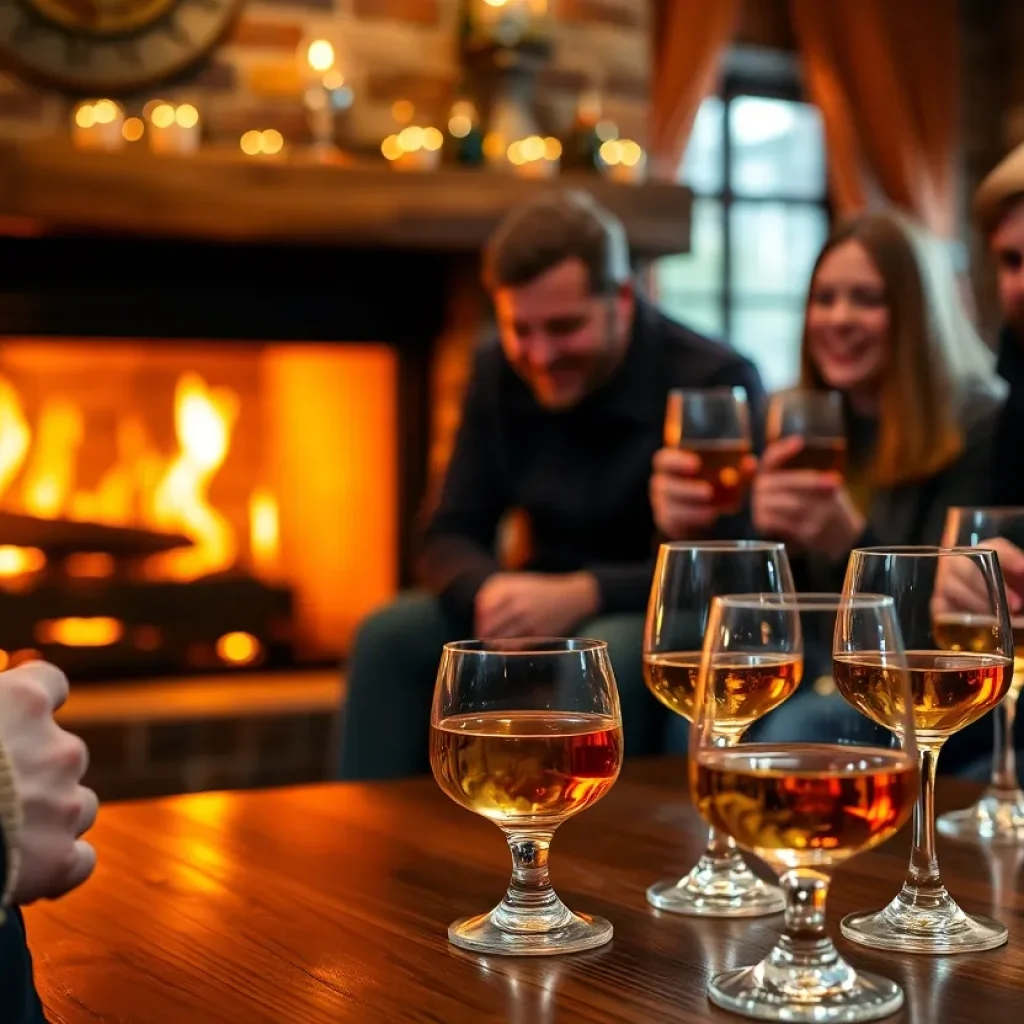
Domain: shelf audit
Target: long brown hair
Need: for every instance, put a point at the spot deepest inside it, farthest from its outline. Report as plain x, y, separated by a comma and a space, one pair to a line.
933, 349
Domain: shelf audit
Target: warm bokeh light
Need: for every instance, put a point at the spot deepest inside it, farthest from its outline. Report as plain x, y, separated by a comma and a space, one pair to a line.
163, 115
187, 116
432, 139
334, 79
552, 148
494, 145
391, 148
320, 55
402, 111
459, 125
85, 116
251, 143
238, 648
411, 138
606, 130
105, 111
133, 129
98, 631
271, 141
16, 561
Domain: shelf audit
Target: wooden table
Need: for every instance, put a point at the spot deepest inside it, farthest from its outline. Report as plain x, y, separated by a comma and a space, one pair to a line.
329, 903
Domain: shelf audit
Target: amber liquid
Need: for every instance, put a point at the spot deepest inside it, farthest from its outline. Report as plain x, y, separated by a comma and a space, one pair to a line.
805, 803
746, 686
823, 455
526, 768
965, 631
721, 465
949, 690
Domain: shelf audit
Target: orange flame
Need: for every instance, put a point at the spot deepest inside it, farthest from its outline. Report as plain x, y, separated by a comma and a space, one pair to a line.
204, 419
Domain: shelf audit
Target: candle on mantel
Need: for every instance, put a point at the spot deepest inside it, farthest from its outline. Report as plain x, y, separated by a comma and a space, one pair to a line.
97, 124
535, 157
414, 148
624, 161
174, 129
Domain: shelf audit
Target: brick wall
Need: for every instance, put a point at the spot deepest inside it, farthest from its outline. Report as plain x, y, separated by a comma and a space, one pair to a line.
394, 49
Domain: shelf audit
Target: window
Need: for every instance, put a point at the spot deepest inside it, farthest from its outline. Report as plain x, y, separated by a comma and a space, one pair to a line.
756, 165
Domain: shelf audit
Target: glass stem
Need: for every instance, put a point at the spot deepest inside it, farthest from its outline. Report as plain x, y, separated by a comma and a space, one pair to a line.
721, 854
1004, 758
531, 904
804, 944
923, 886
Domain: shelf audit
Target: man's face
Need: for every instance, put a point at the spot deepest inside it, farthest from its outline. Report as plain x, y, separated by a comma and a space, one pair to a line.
562, 340
1007, 244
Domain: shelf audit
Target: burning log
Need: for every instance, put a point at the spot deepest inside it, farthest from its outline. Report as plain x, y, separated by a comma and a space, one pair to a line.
60, 538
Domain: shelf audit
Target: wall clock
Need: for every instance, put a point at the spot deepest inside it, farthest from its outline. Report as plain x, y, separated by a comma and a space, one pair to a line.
109, 47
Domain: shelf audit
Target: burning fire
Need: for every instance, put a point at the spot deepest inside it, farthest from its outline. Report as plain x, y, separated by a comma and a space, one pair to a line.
143, 487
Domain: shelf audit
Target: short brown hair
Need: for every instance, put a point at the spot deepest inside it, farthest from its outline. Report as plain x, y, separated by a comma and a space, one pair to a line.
933, 349
539, 234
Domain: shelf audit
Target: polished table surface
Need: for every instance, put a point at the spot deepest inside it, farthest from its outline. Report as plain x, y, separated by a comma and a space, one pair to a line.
330, 903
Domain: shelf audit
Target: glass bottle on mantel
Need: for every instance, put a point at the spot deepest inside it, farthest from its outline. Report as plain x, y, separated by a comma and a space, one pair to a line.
583, 142
464, 138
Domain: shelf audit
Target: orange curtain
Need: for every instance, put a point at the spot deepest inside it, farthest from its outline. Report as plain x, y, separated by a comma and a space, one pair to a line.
689, 38
885, 74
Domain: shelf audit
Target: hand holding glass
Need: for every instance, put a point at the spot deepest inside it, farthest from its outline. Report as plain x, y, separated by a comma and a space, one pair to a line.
999, 814
714, 424
803, 807
527, 733
949, 689
686, 578
817, 418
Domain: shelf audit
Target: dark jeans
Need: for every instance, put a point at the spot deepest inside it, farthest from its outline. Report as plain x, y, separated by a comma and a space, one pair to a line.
391, 675
19, 1003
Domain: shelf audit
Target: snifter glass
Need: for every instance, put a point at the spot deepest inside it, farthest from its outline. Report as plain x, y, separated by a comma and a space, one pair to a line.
686, 578
803, 805
999, 815
816, 417
527, 733
950, 689
714, 424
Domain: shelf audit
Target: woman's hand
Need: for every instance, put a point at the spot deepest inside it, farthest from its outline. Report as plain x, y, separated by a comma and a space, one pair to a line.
811, 510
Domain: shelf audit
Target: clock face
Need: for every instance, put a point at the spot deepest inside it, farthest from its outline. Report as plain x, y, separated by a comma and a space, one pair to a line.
110, 46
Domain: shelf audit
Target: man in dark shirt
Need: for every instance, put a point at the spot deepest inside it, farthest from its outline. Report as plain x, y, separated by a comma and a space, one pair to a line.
999, 211
560, 421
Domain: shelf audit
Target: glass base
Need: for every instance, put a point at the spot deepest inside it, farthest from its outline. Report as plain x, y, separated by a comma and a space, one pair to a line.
833, 993
997, 818
923, 923
482, 934
718, 888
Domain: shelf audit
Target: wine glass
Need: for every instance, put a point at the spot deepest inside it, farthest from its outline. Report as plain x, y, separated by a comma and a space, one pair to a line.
815, 416
714, 424
686, 577
949, 689
999, 814
803, 806
527, 733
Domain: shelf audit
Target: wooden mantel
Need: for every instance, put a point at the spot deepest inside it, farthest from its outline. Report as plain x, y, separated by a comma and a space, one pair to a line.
49, 188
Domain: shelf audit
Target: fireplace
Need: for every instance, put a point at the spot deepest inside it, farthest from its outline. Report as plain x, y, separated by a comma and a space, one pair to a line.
211, 456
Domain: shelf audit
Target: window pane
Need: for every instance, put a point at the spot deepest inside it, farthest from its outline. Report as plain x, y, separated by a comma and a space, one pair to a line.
703, 163
778, 148
701, 313
769, 334
702, 269
774, 246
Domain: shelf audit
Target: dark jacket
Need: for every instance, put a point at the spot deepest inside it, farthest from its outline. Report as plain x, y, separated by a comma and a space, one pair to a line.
581, 475
19, 1003
915, 513
1008, 469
